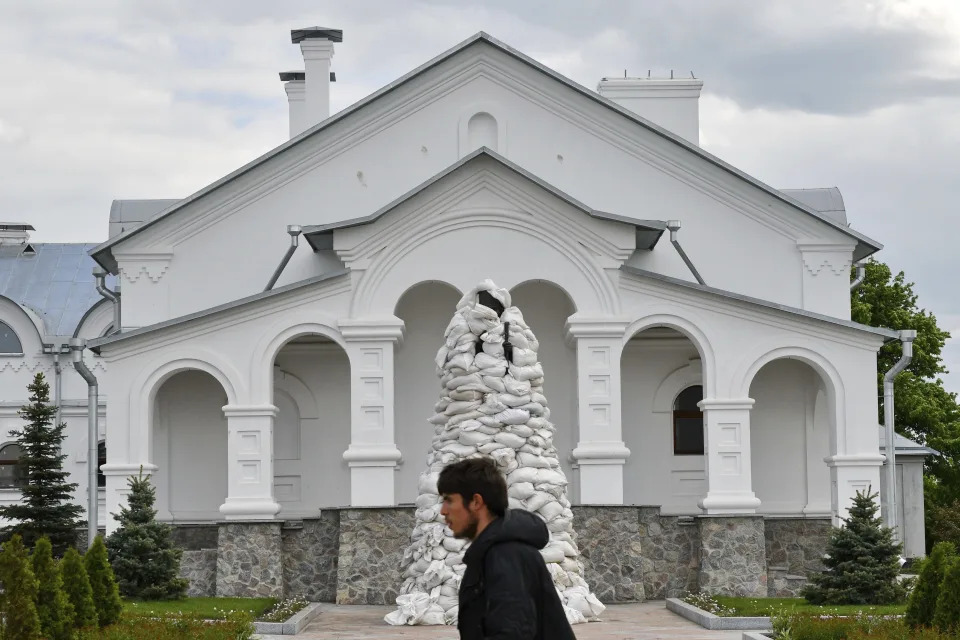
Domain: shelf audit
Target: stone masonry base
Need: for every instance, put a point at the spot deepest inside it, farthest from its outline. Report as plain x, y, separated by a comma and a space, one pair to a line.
352, 555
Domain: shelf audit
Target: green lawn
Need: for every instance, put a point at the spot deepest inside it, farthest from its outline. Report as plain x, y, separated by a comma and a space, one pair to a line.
751, 607
210, 608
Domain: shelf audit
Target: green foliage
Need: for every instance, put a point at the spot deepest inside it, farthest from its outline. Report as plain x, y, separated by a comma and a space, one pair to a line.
106, 595
142, 553
863, 561
46, 508
76, 585
943, 522
923, 600
238, 626
859, 627
53, 605
947, 616
18, 601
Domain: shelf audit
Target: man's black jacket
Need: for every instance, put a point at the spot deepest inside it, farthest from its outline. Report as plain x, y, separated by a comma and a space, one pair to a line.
506, 592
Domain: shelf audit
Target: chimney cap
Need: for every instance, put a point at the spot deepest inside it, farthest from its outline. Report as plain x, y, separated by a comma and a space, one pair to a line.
288, 76
16, 226
318, 33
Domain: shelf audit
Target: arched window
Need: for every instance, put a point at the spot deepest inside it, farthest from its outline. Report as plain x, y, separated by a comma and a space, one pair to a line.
9, 341
688, 423
101, 460
11, 473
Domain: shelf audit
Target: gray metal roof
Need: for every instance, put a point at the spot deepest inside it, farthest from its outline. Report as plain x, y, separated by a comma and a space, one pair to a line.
55, 282
827, 201
803, 313
903, 446
865, 245
648, 231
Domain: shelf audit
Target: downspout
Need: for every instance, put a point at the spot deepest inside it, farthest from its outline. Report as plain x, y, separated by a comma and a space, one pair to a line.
57, 388
114, 296
294, 230
861, 276
77, 345
674, 226
890, 499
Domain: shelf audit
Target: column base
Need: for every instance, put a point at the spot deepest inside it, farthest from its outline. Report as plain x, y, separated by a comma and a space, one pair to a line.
600, 465
729, 504
372, 471
249, 509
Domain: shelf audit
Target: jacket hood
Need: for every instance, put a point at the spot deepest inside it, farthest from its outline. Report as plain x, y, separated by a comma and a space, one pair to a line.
516, 525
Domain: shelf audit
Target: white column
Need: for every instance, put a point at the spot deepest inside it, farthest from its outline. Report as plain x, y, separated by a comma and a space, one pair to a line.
296, 98
118, 488
373, 454
726, 425
850, 474
250, 463
817, 448
317, 54
601, 453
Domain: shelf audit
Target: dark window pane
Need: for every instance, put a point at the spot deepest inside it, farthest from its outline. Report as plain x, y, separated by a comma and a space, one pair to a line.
687, 433
10, 453
688, 399
8, 476
101, 460
9, 341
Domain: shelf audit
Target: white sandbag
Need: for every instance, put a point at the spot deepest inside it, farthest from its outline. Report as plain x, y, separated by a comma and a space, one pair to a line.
513, 416
426, 500
485, 360
520, 490
551, 554
490, 447
465, 394
521, 430
464, 381
535, 502
494, 384
516, 387
523, 474
461, 406
474, 438
524, 357
513, 401
509, 439
428, 483
531, 460
459, 450
531, 372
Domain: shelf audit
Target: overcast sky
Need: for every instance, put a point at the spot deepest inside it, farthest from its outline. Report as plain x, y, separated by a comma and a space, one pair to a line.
155, 99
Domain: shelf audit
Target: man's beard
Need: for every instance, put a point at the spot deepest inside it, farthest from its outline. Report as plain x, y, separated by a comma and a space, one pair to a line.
470, 531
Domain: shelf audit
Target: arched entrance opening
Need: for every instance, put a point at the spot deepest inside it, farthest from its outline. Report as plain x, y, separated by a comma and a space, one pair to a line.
426, 309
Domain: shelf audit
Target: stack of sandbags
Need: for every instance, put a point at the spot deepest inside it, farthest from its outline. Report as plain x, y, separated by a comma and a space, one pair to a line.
489, 406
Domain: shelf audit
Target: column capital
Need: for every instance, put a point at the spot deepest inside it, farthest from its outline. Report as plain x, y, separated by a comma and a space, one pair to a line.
372, 455
389, 328
596, 452
855, 460
128, 469
729, 404
578, 326
250, 410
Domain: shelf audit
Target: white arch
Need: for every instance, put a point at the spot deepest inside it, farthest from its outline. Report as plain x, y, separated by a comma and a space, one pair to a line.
24, 322
688, 328
690, 374
431, 281
299, 392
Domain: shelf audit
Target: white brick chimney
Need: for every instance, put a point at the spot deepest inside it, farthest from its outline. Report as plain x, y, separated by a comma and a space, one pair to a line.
672, 103
15, 232
295, 86
316, 44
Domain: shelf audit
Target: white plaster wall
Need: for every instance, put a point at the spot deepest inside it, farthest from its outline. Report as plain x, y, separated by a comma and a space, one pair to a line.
594, 155
545, 309
426, 310
320, 472
190, 447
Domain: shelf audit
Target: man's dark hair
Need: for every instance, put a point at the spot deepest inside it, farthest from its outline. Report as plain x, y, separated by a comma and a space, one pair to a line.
475, 475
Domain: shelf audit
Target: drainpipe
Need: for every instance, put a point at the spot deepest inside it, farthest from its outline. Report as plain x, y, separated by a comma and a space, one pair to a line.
674, 226
861, 276
294, 230
57, 388
77, 345
114, 296
890, 499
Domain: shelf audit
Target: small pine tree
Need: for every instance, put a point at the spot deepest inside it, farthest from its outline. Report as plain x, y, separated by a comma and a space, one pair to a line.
46, 508
53, 606
923, 601
18, 602
106, 595
947, 616
862, 562
142, 553
76, 585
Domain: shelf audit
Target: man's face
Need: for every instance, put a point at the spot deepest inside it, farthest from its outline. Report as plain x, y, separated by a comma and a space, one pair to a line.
461, 518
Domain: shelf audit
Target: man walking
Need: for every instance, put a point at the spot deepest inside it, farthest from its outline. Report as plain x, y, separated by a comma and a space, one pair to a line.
506, 592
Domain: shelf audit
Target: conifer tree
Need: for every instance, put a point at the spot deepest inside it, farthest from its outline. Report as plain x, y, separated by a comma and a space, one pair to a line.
106, 595
142, 554
947, 616
46, 508
76, 585
923, 600
862, 561
53, 606
19, 596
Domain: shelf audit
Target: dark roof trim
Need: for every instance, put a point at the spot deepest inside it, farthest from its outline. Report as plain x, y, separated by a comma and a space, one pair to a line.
97, 344
320, 33
287, 76
722, 293
317, 235
865, 246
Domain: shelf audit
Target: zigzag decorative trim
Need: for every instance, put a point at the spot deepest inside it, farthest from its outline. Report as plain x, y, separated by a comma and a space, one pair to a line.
153, 271
815, 262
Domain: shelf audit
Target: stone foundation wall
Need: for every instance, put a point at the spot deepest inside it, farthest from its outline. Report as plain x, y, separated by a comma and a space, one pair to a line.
610, 548
795, 549
733, 556
372, 542
310, 557
194, 537
249, 560
200, 568
671, 561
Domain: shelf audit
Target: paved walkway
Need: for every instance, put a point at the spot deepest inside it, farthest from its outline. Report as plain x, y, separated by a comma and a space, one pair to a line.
648, 621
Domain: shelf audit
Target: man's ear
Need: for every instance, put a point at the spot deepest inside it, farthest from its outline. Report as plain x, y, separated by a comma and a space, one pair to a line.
476, 503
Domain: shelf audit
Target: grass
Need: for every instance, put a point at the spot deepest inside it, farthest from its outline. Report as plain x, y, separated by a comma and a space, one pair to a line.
755, 607
209, 608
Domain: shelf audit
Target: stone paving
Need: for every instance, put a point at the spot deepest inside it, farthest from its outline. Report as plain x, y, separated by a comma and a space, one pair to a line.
649, 621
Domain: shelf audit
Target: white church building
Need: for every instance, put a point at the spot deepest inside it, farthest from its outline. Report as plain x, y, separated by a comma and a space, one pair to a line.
273, 369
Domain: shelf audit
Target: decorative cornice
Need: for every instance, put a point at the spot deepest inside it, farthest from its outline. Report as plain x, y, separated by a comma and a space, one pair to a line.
600, 452
135, 265
250, 411
817, 255
855, 460
726, 404
595, 327
372, 329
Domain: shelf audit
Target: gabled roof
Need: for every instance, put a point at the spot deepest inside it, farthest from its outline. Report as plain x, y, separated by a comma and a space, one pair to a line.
865, 246
903, 446
889, 334
648, 231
